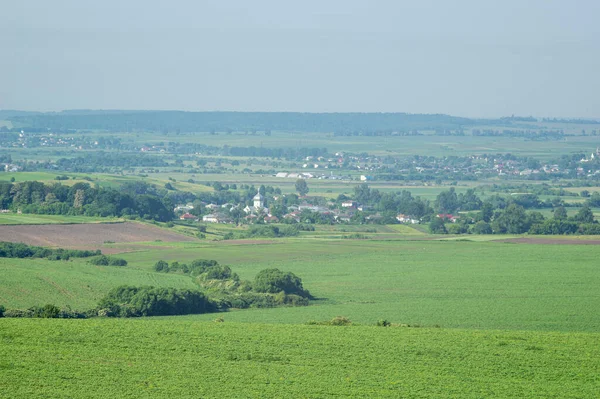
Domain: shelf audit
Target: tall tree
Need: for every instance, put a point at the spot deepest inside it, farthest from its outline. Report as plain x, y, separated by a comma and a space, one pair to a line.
302, 187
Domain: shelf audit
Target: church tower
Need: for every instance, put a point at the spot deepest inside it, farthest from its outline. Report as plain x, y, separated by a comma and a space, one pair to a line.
259, 201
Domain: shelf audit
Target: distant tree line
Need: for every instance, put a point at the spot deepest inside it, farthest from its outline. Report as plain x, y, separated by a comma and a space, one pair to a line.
137, 199
20, 250
179, 121
508, 215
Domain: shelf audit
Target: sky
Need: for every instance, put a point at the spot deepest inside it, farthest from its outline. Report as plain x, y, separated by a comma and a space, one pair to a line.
472, 58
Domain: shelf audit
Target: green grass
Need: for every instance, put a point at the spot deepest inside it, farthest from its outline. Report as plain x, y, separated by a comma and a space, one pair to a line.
15, 218
29, 282
460, 284
179, 357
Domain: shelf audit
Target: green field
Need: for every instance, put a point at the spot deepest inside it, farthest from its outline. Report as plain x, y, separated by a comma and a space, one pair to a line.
179, 357
460, 284
17, 218
75, 283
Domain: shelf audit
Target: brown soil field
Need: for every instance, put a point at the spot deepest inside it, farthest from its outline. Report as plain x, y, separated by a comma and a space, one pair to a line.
89, 236
551, 241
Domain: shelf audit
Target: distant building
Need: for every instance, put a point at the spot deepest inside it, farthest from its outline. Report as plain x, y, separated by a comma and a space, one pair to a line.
215, 218
189, 216
259, 200
349, 204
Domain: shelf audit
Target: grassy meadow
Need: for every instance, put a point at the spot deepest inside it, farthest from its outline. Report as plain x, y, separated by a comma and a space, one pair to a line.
22, 218
447, 283
184, 358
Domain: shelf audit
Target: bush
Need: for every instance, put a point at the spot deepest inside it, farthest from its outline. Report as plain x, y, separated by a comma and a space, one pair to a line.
45, 312
482, 227
336, 321
17, 313
383, 323
104, 260
20, 250
274, 281
128, 301
340, 321
161, 266
2, 310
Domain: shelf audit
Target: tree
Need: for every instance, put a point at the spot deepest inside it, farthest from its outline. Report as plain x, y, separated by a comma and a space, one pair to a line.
274, 281
584, 215
482, 227
161, 266
560, 213
437, 226
486, 213
301, 187
447, 201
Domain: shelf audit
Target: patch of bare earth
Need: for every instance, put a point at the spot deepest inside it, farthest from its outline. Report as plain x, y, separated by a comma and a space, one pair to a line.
87, 236
552, 241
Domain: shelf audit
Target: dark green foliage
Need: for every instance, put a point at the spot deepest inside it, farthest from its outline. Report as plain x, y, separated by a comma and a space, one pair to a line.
437, 226
383, 323
482, 227
270, 231
104, 260
161, 266
261, 300
584, 215
127, 301
336, 321
136, 199
20, 250
560, 213
554, 226
301, 187
274, 281
46, 312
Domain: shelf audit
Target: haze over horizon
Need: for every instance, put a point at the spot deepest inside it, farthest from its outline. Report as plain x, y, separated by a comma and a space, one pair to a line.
465, 58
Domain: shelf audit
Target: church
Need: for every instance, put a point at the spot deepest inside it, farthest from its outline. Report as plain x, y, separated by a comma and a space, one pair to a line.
258, 205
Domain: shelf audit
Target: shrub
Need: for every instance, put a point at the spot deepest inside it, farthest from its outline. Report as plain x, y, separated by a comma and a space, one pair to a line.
2, 310
340, 321
274, 281
46, 312
161, 266
117, 262
104, 260
17, 313
383, 323
128, 301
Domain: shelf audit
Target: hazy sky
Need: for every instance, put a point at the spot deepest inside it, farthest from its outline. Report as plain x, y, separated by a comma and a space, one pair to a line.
473, 58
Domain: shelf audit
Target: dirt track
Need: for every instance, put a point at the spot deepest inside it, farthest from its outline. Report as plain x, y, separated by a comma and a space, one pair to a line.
89, 236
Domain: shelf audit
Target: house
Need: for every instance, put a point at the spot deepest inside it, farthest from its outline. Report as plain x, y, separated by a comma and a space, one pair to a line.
212, 206
402, 218
271, 219
448, 216
349, 204
189, 216
293, 216
185, 208
215, 218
